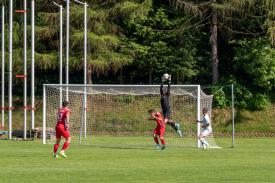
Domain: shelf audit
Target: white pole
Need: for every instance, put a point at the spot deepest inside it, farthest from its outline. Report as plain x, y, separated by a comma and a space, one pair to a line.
85, 65
85, 69
44, 114
3, 66
10, 68
67, 47
233, 116
61, 52
198, 114
32, 62
25, 69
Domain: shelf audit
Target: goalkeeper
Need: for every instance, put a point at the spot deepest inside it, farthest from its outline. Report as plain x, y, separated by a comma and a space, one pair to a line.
164, 101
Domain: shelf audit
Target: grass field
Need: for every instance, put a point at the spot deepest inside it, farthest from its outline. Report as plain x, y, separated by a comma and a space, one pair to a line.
252, 160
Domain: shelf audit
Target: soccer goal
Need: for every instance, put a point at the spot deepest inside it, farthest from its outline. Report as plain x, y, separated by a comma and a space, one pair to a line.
119, 111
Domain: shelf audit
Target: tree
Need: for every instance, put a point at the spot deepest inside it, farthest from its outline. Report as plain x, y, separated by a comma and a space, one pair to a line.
106, 50
254, 64
217, 12
160, 48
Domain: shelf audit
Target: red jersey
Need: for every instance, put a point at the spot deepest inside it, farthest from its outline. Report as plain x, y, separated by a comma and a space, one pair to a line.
159, 120
62, 115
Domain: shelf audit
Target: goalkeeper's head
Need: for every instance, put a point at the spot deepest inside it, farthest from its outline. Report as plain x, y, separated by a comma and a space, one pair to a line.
65, 103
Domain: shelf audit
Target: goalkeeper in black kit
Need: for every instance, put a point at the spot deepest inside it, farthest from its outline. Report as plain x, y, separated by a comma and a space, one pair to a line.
164, 101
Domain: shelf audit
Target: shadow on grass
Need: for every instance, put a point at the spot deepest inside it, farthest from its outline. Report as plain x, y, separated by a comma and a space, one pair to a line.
4, 139
240, 117
17, 139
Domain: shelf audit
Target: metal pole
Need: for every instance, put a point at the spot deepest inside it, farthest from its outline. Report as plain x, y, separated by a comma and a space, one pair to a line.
25, 69
85, 69
44, 114
3, 66
61, 53
198, 114
85, 65
233, 116
67, 47
10, 68
32, 62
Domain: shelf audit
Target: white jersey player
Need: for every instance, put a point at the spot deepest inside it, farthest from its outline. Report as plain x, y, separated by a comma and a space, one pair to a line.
206, 128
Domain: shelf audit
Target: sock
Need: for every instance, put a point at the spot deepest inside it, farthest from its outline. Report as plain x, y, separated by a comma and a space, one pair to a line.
202, 141
173, 125
156, 140
162, 141
65, 146
205, 142
55, 148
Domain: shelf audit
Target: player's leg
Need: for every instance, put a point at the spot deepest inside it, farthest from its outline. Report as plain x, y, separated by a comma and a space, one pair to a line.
167, 120
55, 147
170, 123
155, 136
65, 134
175, 126
205, 134
161, 137
65, 147
58, 138
202, 139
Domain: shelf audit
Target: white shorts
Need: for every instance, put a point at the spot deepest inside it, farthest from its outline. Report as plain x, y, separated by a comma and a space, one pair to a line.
206, 132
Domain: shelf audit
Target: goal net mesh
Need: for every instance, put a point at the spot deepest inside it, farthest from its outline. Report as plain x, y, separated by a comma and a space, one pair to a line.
120, 111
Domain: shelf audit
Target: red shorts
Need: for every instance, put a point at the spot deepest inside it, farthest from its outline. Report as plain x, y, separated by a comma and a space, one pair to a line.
159, 131
61, 131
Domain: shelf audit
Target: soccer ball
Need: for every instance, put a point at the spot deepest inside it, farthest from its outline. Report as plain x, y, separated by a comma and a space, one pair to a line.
166, 77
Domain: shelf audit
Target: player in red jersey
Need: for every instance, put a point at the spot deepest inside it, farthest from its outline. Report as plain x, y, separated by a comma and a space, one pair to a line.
62, 129
160, 128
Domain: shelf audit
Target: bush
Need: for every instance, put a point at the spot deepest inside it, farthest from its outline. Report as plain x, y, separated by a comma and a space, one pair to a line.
125, 98
259, 102
244, 98
221, 99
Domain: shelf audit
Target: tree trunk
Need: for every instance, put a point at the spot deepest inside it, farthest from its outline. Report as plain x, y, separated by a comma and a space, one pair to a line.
121, 76
90, 72
150, 73
214, 48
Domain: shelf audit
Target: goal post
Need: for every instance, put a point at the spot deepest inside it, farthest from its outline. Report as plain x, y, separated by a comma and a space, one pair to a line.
223, 112
198, 114
121, 110
44, 114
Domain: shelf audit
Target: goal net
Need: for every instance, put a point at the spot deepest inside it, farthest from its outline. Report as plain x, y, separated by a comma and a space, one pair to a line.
120, 111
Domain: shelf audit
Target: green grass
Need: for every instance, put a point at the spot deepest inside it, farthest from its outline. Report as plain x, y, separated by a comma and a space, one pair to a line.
252, 160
